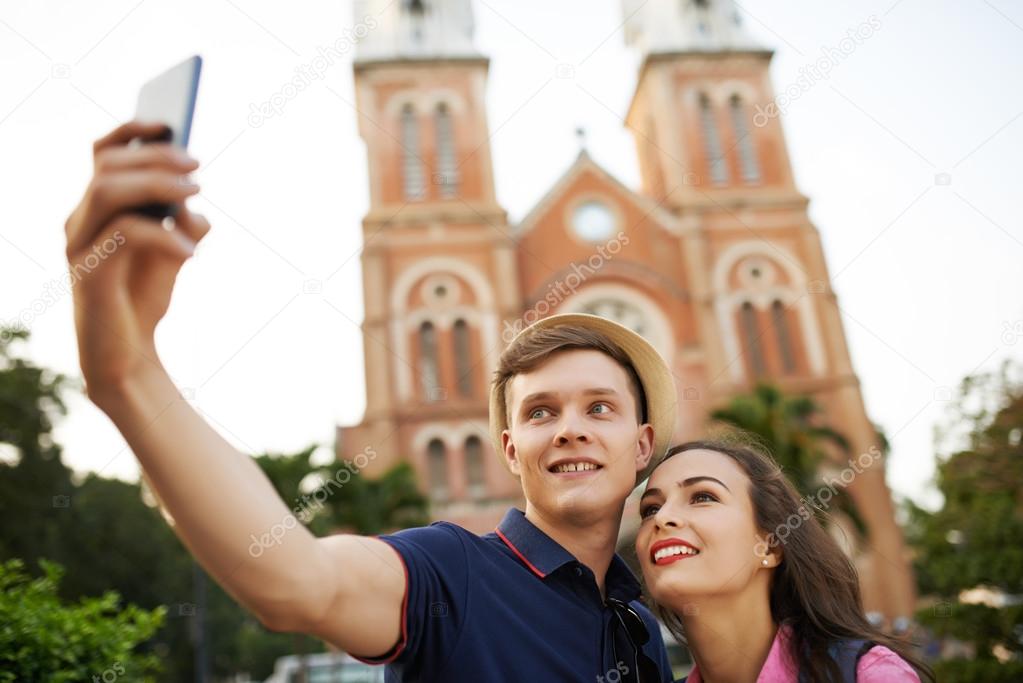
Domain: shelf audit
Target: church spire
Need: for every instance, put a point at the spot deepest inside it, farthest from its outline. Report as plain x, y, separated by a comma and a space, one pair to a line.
664, 26
415, 29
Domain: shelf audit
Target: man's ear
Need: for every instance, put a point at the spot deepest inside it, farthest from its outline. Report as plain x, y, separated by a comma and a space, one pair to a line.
645, 446
510, 455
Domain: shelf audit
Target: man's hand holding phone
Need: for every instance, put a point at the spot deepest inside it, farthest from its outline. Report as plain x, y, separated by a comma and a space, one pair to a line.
347, 590
123, 263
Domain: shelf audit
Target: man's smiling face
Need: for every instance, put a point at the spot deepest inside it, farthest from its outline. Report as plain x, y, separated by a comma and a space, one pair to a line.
574, 436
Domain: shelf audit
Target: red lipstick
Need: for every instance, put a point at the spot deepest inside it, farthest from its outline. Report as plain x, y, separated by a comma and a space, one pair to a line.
687, 550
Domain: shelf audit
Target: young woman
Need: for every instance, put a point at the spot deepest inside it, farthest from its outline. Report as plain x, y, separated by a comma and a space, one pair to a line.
743, 573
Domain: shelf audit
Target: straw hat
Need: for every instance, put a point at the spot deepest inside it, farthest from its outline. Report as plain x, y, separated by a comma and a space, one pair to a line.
653, 372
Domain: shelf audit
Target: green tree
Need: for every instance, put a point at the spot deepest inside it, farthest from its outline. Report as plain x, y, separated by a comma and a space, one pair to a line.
35, 486
100, 530
787, 425
376, 506
790, 428
975, 541
112, 540
43, 639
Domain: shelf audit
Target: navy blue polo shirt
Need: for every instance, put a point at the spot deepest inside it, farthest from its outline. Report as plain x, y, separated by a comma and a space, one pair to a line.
512, 605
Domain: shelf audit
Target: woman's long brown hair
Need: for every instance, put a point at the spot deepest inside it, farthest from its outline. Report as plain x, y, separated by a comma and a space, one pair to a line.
815, 590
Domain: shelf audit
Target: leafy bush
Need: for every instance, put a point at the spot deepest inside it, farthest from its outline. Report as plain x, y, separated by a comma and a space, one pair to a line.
44, 640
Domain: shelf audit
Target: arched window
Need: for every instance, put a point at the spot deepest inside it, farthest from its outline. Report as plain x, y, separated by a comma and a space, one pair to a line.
411, 167
748, 163
437, 466
474, 467
447, 166
751, 337
781, 331
712, 143
463, 357
428, 373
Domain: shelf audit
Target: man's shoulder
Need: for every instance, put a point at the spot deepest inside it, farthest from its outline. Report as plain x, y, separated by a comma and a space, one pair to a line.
440, 535
436, 531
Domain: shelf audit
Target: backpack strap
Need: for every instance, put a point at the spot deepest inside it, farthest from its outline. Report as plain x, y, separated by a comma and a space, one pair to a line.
846, 654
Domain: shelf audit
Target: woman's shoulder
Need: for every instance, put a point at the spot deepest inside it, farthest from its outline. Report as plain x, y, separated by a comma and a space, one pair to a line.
881, 664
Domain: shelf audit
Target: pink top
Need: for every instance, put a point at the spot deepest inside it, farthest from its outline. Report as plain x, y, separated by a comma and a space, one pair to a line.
878, 665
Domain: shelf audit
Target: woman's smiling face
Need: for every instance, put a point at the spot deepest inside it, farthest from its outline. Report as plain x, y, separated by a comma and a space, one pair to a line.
698, 537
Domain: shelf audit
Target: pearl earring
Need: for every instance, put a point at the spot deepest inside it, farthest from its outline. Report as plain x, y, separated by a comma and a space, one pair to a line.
764, 561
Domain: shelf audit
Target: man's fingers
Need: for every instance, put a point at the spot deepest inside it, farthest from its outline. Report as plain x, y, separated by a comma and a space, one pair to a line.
128, 240
113, 238
126, 131
115, 193
193, 225
153, 155
146, 235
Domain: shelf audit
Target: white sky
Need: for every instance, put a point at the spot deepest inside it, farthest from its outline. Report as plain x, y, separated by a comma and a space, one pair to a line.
928, 275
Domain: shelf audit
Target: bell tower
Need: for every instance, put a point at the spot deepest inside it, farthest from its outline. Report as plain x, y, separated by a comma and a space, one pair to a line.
438, 264
420, 95
711, 150
698, 112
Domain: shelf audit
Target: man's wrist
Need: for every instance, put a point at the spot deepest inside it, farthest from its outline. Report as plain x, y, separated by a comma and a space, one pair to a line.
131, 393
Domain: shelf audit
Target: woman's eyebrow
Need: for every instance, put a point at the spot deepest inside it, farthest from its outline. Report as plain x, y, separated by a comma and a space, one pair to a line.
695, 480
649, 492
686, 482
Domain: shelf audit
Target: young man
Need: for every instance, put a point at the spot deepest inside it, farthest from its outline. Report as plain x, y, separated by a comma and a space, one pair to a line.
579, 408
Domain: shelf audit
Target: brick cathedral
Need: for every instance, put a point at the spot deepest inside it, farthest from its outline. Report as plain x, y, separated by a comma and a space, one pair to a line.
713, 259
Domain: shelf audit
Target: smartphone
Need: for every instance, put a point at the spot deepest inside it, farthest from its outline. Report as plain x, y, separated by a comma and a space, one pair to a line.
170, 98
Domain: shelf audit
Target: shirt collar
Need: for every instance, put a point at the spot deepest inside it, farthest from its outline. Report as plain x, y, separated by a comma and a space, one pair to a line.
543, 555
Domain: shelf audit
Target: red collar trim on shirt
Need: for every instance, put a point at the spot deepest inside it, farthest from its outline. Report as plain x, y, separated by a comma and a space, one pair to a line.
519, 554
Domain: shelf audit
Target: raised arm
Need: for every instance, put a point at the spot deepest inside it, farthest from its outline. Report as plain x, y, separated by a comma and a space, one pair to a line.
347, 590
